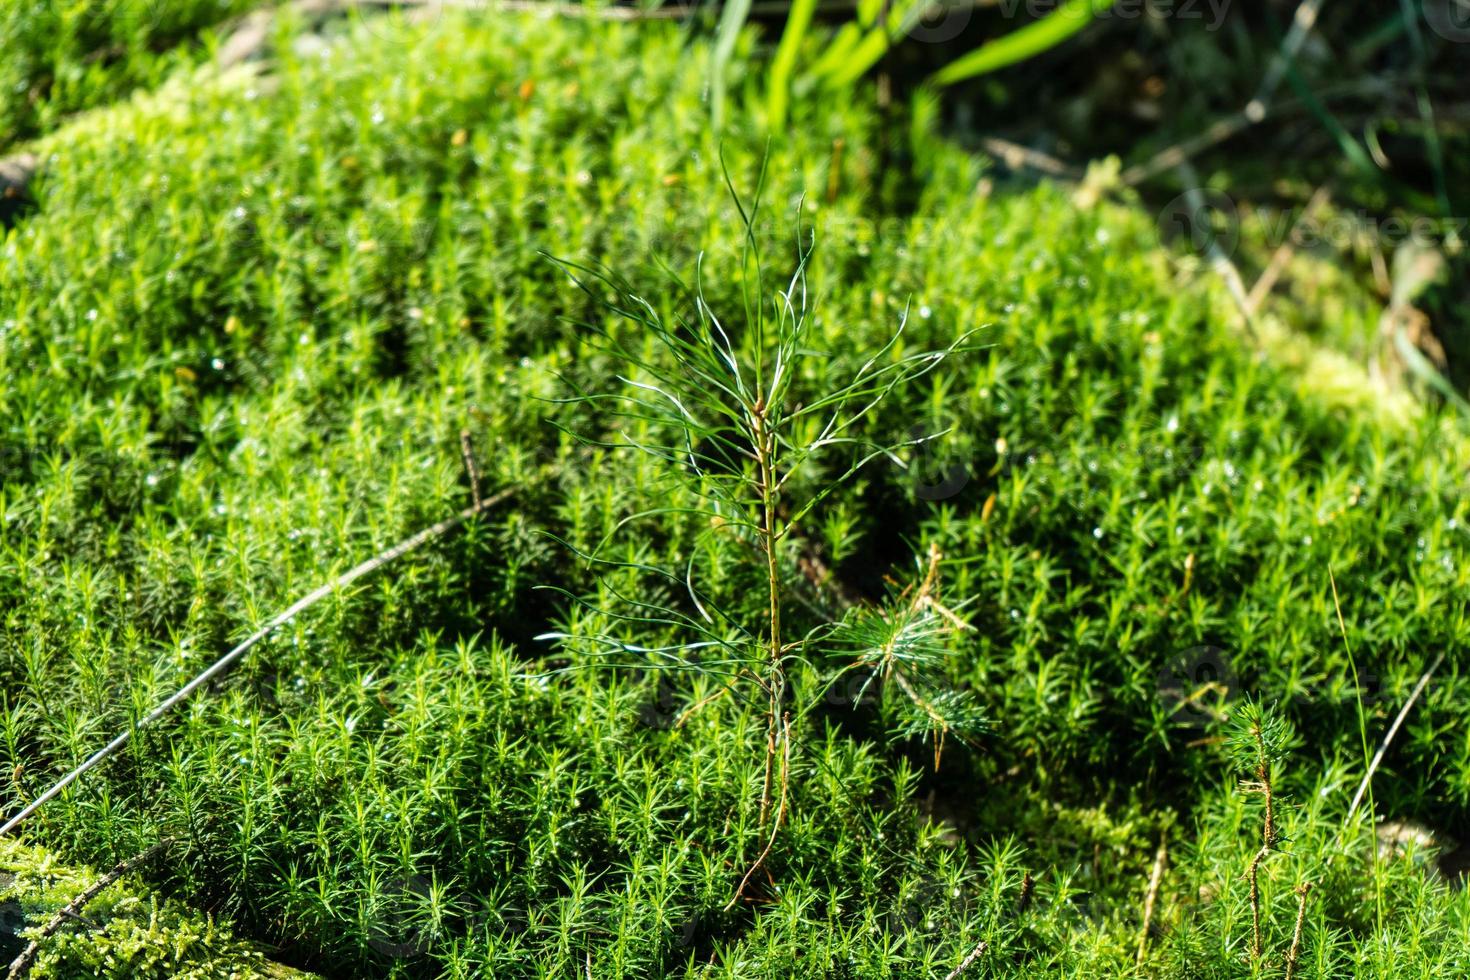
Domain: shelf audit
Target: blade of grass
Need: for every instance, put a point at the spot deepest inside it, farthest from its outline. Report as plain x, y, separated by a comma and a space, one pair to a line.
1432, 145
732, 19
1362, 733
784, 62
1393, 730
1023, 43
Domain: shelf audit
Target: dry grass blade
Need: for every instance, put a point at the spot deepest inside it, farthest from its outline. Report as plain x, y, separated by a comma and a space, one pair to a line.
1218, 260
1283, 254
1015, 156
1155, 879
784, 739
1393, 730
227, 661
1254, 111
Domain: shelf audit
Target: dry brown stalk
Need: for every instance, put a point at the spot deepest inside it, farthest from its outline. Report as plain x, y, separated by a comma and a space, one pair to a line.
968, 961
1296, 933
1155, 879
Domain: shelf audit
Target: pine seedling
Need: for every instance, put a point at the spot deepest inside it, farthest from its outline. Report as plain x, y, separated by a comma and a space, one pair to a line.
717, 404
905, 642
1257, 743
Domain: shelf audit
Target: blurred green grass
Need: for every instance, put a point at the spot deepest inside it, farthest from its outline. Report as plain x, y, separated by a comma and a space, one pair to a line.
64, 56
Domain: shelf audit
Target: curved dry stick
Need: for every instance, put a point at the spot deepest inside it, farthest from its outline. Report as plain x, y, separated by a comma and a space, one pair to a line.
968, 961
22, 964
228, 660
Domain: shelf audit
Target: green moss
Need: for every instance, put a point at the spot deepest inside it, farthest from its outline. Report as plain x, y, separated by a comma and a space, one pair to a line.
63, 56
246, 324
126, 931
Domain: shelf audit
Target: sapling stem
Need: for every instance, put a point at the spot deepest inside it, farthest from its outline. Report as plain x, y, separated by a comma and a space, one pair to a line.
1296, 933
1268, 837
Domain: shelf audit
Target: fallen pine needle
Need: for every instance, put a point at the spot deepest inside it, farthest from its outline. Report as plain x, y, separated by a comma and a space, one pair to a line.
228, 660
1392, 731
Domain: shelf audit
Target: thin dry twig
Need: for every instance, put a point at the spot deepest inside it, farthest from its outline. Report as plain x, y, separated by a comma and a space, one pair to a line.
1253, 112
467, 450
1301, 25
785, 773
22, 964
1015, 156
968, 961
1393, 730
1186, 150
227, 661
1218, 260
726, 688
1155, 879
1283, 253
